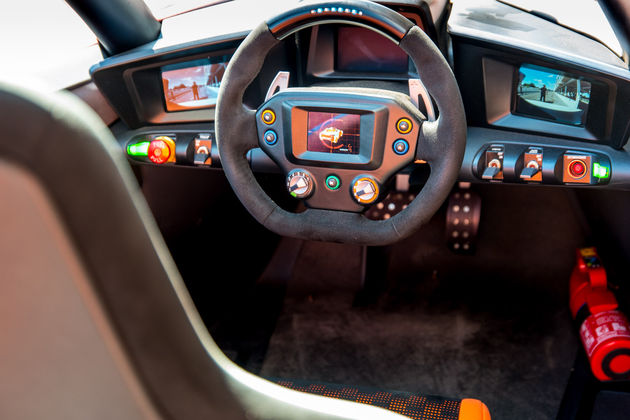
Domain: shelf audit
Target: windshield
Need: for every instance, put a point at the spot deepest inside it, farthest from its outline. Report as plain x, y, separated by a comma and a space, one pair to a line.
64, 56
582, 15
585, 16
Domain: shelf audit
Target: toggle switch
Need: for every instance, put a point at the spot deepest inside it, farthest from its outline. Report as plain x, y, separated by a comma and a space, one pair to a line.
491, 171
202, 144
532, 165
531, 170
494, 163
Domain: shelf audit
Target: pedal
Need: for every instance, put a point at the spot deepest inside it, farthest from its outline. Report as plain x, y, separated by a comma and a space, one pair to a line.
462, 219
393, 204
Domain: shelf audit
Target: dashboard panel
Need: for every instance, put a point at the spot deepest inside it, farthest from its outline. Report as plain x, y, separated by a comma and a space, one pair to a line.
548, 104
490, 49
159, 90
495, 98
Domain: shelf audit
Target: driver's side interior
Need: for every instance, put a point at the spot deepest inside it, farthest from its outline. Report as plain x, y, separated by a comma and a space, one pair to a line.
311, 263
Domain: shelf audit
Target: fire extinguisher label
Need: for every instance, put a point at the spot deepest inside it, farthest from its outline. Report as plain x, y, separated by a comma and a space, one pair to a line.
601, 327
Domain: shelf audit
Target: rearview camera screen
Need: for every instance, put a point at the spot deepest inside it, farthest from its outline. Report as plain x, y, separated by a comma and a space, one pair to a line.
330, 132
192, 85
552, 95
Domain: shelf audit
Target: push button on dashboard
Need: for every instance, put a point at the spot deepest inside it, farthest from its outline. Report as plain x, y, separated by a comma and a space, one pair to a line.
268, 116
404, 126
161, 150
333, 182
270, 137
577, 169
400, 147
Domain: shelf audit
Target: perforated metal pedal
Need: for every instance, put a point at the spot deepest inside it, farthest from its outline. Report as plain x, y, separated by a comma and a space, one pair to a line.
393, 204
462, 219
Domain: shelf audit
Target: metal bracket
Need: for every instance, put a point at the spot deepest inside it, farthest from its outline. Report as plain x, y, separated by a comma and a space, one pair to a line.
279, 83
416, 90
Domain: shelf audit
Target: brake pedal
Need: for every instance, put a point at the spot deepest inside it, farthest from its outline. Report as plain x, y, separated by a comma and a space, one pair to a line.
462, 219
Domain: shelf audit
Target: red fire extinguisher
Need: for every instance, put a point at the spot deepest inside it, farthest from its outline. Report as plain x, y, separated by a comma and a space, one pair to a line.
604, 330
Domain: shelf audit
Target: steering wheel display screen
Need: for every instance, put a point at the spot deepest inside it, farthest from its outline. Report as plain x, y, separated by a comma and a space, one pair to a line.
330, 132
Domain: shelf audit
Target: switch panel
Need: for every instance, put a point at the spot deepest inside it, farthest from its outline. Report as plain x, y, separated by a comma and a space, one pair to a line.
544, 164
532, 165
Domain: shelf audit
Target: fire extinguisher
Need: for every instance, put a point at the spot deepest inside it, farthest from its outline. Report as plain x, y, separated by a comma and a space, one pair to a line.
604, 330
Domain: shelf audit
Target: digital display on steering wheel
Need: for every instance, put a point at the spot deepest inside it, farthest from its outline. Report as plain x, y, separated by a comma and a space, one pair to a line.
330, 132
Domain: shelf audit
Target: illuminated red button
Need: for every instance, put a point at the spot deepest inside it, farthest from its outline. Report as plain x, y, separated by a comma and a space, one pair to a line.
159, 151
577, 169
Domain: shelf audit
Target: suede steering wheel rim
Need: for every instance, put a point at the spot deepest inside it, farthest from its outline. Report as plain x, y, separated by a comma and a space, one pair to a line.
441, 143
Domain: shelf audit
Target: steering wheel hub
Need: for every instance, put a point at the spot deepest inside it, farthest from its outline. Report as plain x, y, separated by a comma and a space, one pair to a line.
351, 132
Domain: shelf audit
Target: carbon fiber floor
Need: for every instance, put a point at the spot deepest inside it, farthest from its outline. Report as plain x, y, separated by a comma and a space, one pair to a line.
494, 326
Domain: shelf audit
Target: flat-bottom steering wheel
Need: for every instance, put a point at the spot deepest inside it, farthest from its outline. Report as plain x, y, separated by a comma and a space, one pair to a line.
339, 147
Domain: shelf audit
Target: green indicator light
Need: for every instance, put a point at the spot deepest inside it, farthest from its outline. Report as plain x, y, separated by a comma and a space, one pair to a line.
600, 171
294, 194
138, 149
332, 182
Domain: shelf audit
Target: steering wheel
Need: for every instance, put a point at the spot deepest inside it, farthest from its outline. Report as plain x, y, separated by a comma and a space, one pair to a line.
340, 146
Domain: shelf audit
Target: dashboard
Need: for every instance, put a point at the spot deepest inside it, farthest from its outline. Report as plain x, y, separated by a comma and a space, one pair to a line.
544, 104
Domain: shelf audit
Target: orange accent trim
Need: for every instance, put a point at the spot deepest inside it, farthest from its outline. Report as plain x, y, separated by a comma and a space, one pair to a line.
471, 409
